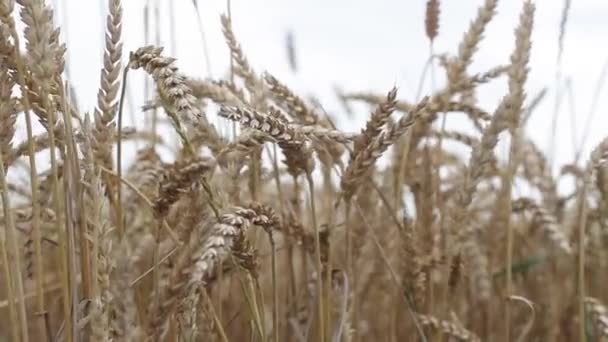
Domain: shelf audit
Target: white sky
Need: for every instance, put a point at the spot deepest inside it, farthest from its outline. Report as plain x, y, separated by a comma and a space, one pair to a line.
359, 45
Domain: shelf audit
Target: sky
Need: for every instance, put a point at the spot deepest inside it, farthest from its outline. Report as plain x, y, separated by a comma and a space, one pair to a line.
360, 46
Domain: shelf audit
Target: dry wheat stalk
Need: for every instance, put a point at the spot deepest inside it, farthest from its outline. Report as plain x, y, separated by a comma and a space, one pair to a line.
468, 46
242, 67
507, 114
176, 180
376, 123
175, 94
183, 285
8, 116
110, 84
199, 265
362, 162
100, 230
518, 72
45, 56
171, 85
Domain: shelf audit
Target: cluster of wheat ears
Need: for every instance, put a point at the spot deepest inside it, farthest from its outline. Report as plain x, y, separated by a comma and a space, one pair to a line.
286, 229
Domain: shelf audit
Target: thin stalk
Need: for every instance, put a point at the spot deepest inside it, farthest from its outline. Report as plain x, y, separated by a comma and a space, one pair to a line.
259, 301
337, 336
201, 29
592, 111
149, 270
439, 146
506, 207
84, 249
425, 69
350, 271
508, 262
96, 234
216, 320
392, 272
147, 86
401, 170
39, 270
582, 222
275, 291
349, 239
229, 10
558, 80
156, 270
65, 272
70, 189
289, 260
172, 234
556, 109
254, 177
9, 224
391, 211
327, 290
57, 200
313, 216
297, 208
573, 113
119, 214
120, 219
158, 43
172, 33
251, 303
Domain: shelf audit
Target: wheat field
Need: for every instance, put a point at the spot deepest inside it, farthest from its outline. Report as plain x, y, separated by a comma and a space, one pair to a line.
266, 222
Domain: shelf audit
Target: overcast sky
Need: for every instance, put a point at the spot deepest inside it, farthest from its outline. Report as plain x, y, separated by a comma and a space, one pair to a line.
359, 45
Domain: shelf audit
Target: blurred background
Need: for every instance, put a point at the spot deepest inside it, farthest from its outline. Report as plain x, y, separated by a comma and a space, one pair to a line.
362, 46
